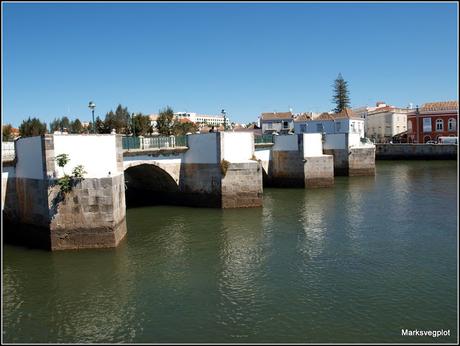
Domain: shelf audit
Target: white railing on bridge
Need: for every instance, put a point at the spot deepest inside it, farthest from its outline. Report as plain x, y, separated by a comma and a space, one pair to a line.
8, 152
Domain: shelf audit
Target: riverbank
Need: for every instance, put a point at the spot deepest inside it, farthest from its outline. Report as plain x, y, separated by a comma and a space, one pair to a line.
403, 151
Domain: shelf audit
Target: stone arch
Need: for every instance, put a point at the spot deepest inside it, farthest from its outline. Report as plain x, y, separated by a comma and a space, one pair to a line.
149, 184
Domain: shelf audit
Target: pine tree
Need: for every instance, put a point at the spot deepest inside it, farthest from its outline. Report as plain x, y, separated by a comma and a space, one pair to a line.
118, 120
341, 95
76, 126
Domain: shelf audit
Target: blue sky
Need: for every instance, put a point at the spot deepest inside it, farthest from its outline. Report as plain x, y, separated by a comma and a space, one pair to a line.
246, 58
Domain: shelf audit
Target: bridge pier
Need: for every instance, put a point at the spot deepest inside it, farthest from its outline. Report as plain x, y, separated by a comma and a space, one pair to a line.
351, 157
297, 161
92, 215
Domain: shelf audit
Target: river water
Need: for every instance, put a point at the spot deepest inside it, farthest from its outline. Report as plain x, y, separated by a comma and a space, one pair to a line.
357, 262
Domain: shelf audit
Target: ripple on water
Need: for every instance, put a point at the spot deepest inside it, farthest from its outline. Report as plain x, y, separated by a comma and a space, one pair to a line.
352, 263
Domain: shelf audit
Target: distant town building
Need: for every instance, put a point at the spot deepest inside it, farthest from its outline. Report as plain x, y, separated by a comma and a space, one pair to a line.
432, 120
282, 122
383, 122
251, 128
153, 122
343, 122
212, 120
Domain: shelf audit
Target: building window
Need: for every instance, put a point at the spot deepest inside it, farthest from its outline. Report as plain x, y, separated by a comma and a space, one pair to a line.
353, 128
337, 126
285, 124
439, 125
452, 124
270, 126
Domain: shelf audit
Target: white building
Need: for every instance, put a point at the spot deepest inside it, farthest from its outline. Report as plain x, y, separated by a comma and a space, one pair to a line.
344, 122
211, 120
279, 122
383, 122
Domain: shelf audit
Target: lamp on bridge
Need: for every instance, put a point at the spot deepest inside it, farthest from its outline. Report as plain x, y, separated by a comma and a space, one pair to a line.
91, 106
224, 113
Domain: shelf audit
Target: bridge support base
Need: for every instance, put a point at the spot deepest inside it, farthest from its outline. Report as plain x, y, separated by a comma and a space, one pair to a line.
92, 215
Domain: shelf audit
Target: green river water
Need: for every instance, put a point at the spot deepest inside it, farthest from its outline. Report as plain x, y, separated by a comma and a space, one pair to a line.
357, 262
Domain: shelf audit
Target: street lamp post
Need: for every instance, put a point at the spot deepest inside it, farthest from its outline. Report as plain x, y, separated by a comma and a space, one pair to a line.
224, 113
132, 125
91, 106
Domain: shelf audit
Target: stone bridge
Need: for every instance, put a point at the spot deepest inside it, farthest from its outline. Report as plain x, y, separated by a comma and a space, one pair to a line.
216, 170
220, 170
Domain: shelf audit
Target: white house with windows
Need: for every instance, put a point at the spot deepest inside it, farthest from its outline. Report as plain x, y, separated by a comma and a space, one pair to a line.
281, 123
343, 122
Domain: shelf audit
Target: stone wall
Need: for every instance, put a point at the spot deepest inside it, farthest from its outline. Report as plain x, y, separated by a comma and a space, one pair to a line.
38, 215
361, 161
340, 157
242, 185
287, 169
319, 171
416, 151
92, 215
353, 161
200, 185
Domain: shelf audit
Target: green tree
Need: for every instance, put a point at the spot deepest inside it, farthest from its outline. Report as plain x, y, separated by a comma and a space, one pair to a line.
180, 129
76, 126
32, 127
118, 120
165, 121
341, 95
141, 125
101, 126
60, 124
7, 133
55, 125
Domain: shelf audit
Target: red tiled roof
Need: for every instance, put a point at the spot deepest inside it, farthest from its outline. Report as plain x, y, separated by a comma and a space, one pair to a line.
346, 113
303, 117
276, 116
382, 109
185, 120
439, 106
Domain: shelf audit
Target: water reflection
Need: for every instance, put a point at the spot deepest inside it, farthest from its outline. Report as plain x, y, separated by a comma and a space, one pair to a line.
85, 297
352, 263
243, 254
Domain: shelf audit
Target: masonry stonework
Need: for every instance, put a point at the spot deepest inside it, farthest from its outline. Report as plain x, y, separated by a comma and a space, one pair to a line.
92, 215
287, 169
416, 151
353, 161
361, 162
242, 185
319, 171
